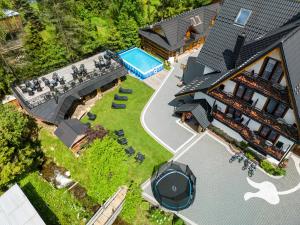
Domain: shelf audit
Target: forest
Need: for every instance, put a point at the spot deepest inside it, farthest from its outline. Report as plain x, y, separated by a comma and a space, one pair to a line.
59, 32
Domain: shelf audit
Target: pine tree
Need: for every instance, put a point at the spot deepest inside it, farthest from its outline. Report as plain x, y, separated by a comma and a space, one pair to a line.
128, 30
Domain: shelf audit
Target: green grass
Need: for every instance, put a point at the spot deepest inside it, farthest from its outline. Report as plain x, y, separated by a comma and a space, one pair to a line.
53, 205
83, 169
129, 120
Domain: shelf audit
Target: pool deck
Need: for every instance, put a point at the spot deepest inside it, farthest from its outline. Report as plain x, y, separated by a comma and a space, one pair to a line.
156, 80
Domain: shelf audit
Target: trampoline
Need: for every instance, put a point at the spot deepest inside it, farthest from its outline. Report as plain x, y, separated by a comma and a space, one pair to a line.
174, 186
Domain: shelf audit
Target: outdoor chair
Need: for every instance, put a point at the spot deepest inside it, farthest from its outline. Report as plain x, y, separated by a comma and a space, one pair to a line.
139, 157
130, 151
118, 106
91, 116
125, 91
120, 98
122, 141
119, 133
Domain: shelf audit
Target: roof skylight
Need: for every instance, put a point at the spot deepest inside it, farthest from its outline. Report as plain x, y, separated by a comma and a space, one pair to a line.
243, 17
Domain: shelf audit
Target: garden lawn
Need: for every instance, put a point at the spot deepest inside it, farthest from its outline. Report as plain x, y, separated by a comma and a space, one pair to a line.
129, 120
87, 168
53, 205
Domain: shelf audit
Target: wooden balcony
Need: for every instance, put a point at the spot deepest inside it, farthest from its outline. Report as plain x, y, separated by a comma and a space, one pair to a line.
255, 113
254, 140
263, 86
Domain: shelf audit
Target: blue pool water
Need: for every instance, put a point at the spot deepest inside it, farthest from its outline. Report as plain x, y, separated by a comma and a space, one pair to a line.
140, 63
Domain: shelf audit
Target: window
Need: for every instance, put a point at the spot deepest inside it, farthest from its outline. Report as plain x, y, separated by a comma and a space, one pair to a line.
280, 110
269, 69
244, 93
240, 92
248, 94
268, 134
271, 106
264, 131
275, 108
277, 73
272, 136
243, 17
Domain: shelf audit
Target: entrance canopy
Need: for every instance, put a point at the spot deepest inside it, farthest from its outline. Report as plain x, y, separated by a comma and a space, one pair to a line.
174, 186
200, 111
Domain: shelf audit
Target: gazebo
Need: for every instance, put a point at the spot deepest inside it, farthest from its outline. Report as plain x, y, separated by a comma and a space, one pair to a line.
174, 186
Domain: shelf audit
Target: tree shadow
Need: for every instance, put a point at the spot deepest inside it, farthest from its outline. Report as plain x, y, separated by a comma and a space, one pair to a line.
40, 205
156, 167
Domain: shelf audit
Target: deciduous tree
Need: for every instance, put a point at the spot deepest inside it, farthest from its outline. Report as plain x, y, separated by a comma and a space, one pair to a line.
18, 144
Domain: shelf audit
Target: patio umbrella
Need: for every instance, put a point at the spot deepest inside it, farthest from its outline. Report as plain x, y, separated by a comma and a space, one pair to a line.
174, 186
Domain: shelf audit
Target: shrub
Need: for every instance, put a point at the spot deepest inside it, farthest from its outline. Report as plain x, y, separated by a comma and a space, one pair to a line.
249, 155
98, 132
177, 221
243, 145
167, 65
271, 169
159, 217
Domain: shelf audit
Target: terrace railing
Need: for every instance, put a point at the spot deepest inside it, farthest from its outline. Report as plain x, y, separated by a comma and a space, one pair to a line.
254, 140
40, 99
255, 113
263, 86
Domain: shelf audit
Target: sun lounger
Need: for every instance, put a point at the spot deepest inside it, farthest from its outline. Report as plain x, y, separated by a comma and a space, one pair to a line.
122, 141
139, 157
129, 151
119, 133
120, 98
125, 91
91, 116
118, 106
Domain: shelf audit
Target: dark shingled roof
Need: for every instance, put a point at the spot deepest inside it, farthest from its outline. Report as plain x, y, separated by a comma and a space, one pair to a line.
268, 24
266, 16
199, 112
175, 28
193, 69
70, 131
291, 50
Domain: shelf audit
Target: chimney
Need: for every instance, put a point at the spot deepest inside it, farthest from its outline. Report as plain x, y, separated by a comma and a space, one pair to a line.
238, 47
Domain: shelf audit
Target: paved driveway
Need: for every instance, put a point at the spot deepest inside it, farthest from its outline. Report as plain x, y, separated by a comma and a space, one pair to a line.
221, 189
157, 117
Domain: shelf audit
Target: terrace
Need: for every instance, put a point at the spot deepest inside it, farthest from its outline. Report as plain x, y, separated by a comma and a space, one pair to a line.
50, 97
254, 140
263, 86
255, 113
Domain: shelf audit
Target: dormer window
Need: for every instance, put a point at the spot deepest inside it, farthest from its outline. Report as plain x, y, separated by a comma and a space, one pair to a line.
243, 17
196, 20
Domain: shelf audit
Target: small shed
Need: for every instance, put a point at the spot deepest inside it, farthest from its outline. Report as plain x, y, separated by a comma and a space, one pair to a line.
71, 131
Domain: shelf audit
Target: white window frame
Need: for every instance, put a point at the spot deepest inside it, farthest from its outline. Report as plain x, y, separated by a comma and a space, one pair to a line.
240, 12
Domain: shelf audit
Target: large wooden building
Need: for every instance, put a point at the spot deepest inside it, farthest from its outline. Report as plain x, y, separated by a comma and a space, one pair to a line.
174, 36
248, 71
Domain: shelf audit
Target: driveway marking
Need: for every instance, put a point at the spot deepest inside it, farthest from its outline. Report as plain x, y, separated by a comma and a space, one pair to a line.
188, 129
151, 133
268, 191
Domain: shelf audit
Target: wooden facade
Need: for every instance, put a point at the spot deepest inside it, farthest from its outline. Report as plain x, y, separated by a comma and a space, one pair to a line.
273, 86
156, 49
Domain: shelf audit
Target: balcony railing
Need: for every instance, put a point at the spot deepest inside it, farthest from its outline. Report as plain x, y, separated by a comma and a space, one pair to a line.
263, 86
254, 140
255, 113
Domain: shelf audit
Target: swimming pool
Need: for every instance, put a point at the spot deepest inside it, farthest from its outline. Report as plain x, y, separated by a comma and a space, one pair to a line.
140, 63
